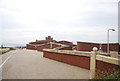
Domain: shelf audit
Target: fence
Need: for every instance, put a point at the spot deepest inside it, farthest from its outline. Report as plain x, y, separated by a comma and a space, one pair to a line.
88, 60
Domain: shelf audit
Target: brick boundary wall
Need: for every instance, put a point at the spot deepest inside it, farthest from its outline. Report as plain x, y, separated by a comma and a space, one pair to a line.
47, 46
69, 59
30, 47
80, 61
66, 48
104, 66
65, 42
87, 46
40, 48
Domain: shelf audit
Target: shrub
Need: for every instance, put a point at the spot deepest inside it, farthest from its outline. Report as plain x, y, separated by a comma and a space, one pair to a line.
11, 48
111, 75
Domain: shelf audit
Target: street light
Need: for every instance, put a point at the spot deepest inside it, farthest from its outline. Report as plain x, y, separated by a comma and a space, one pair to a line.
108, 40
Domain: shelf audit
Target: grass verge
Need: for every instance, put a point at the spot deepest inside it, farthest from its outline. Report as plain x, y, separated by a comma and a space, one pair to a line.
5, 51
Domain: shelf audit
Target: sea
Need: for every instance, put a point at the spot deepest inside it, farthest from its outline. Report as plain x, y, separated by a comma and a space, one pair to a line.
12, 45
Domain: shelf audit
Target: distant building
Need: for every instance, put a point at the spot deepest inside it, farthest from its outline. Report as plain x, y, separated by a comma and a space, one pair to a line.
1, 46
87, 46
49, 43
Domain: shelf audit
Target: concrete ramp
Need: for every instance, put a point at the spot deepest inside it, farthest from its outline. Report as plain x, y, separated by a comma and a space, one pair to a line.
29, 64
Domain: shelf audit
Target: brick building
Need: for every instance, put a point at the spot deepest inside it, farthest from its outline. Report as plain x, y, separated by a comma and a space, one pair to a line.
49, 43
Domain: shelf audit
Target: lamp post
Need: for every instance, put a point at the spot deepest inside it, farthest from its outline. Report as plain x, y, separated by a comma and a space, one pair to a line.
108, 47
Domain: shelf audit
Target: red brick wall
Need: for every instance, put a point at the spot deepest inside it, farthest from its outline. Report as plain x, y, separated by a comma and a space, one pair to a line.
47, 46
66, 43
40, 48
113, 47
85, 46
103, 66
66, 48
81, 61
30, 47
55, 46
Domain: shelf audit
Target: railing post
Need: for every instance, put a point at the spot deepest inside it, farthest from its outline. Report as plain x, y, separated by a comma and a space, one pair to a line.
93, 62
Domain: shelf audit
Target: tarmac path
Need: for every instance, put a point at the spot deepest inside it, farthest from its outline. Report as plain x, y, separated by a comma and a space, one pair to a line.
30, 64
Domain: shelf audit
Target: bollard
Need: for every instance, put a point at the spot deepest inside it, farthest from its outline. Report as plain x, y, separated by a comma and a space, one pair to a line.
93, 62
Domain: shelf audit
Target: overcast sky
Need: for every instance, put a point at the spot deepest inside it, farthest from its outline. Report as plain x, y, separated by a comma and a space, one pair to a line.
22, 21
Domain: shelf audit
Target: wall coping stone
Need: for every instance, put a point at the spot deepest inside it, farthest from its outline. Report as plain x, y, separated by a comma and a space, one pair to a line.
69, 52
107, 59
103, 58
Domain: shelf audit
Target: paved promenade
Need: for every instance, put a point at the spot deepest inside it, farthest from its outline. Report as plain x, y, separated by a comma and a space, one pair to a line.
29, 64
